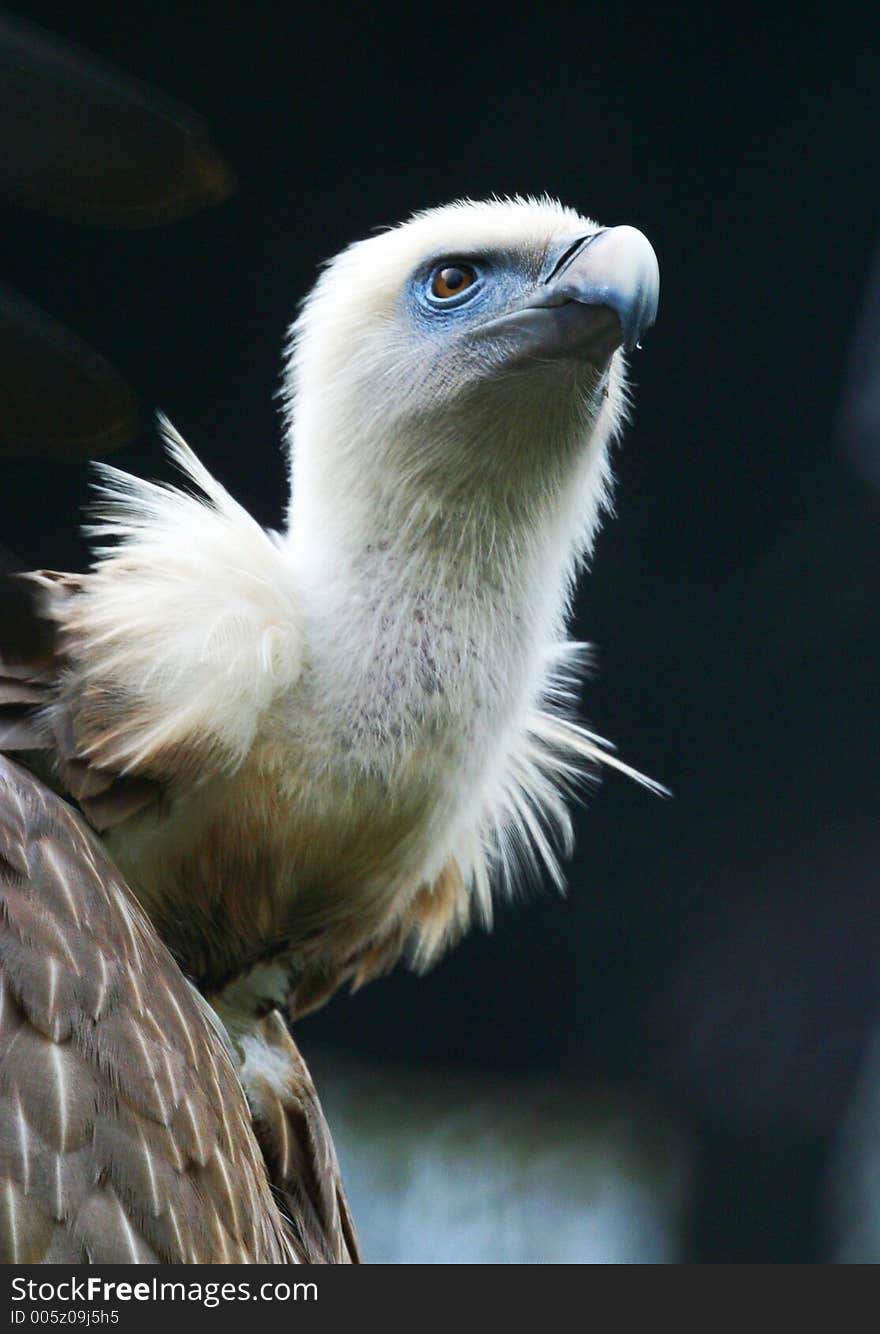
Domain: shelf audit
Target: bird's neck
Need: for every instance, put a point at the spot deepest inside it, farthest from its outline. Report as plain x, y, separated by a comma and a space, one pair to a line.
492, 521
501, 494
429, 613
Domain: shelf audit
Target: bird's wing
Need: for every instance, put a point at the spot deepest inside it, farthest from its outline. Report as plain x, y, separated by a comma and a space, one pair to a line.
124, 1132
158, 667
38, 718
293, 1135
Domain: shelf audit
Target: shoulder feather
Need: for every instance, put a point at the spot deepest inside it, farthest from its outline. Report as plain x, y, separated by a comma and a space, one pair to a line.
184, 631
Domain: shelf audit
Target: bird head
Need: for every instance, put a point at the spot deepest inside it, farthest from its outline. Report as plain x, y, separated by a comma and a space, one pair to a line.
472, 354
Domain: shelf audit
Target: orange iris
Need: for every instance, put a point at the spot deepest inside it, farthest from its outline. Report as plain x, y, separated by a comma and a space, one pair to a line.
452, 279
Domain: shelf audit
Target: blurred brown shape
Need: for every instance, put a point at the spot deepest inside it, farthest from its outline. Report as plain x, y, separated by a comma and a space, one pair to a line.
85, 141
58, 397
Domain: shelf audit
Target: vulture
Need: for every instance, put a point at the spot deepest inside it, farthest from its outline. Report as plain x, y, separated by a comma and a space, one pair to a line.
245, 767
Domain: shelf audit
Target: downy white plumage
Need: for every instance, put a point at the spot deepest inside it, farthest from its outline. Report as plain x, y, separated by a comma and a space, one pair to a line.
358, 727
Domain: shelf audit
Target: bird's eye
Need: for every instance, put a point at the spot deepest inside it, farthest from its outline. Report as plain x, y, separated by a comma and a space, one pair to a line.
451, 280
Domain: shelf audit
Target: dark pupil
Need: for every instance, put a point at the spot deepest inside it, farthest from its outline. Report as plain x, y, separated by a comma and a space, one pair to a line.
452, 279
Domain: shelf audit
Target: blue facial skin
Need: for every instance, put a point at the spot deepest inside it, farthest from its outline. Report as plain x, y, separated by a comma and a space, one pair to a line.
525, 309
503, 284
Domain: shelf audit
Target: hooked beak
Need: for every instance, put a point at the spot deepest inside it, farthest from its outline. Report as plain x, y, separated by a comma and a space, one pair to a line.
600, 294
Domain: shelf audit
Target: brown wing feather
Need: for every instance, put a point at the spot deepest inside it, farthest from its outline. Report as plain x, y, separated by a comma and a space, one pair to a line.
293, 1135
35, 718
124, 1132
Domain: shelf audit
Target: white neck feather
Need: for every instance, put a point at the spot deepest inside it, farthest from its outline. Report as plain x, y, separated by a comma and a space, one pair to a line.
434, 621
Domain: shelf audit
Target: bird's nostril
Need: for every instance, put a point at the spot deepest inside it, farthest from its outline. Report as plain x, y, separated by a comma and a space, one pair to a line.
569, 253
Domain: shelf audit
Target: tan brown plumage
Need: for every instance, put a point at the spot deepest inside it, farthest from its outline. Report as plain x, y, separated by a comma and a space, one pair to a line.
64, 729
125, 1136
34, 717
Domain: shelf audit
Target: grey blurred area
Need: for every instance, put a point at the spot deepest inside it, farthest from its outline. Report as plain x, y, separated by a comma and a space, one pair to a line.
445, 1167
860, 419
854, 1171
854, 1178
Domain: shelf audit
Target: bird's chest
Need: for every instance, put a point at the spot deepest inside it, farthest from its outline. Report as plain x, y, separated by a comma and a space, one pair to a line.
358, 787
407, 681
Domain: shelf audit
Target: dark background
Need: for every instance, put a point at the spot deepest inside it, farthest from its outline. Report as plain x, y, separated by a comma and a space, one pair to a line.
717, 952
